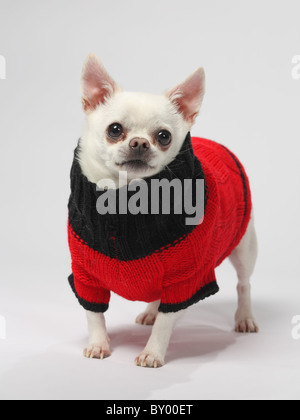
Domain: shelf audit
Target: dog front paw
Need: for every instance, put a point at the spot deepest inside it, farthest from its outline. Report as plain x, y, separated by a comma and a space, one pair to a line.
149, 359
97, 351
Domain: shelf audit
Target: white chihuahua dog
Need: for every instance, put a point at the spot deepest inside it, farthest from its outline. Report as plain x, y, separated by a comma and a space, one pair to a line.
142, 134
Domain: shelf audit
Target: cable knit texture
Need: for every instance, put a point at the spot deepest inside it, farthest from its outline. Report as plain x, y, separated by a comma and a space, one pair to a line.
149, 257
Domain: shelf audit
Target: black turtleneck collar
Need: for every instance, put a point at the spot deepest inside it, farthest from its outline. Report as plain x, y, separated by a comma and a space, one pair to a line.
127, 236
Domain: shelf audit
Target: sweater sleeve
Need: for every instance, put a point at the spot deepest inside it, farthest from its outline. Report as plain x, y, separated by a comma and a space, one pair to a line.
94, 299
87, 288
177, 296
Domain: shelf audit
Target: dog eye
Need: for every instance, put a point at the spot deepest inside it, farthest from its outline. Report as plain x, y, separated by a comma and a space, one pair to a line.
164, 137
115, 130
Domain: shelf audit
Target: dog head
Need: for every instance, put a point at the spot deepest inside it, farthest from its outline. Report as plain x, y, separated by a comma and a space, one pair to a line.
139, 133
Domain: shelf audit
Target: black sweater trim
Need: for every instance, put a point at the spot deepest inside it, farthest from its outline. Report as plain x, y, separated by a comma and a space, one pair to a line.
244, 180
206, 291
89, 306
246, 197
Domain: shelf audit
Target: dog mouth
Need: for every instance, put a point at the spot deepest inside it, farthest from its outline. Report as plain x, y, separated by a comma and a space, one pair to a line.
135, 165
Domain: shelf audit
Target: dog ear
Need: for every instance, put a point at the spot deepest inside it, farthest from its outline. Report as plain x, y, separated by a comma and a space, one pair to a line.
188, 95
96, 84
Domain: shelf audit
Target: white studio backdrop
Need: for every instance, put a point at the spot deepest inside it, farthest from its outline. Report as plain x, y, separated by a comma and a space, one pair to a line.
250, 51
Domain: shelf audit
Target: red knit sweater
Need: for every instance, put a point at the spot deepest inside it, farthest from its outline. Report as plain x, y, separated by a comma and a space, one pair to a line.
181, 272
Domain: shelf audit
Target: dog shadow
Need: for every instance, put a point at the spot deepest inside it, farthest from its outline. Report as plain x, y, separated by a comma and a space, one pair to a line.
61, 371
195, 336
188, 342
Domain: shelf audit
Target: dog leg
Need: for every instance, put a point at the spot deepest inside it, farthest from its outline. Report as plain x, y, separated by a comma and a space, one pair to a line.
149, 316
98, 347
243, 259
154, 353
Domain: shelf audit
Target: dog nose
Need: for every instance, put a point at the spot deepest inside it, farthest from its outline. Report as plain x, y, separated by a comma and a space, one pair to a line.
139, 145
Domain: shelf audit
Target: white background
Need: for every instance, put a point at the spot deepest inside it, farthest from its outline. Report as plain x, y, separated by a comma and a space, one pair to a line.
252, 106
